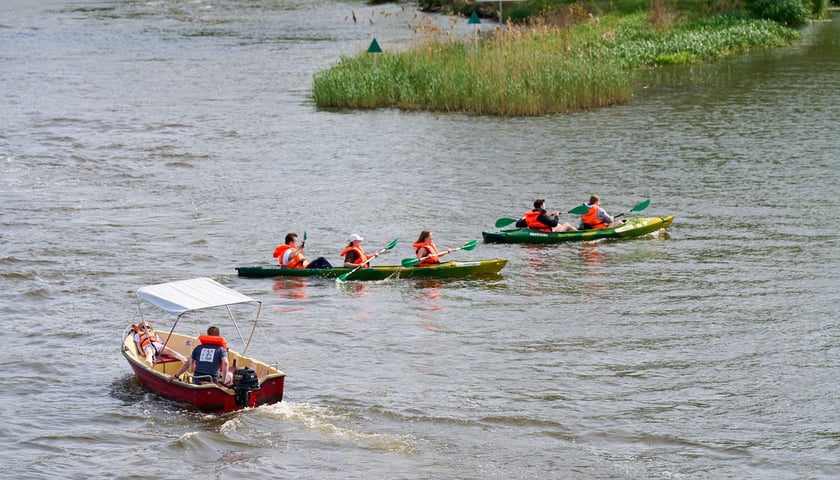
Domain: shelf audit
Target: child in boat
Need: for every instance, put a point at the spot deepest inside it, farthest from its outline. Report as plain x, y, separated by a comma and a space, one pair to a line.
150, 345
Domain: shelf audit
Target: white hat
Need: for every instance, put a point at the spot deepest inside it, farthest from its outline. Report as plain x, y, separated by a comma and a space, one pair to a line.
354, 237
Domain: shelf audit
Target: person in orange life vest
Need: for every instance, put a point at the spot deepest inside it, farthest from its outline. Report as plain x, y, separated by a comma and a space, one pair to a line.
354, 254
424, 248
290, 255
209, 360
540, 219
597, 217
150, 345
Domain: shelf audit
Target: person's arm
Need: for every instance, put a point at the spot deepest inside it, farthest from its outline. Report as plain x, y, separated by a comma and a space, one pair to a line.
521, 223
181, 370
288, 256
350, 258
224, 370
603, 215
549, 220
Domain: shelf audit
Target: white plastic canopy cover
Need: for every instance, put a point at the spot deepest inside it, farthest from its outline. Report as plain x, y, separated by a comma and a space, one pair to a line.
186, 295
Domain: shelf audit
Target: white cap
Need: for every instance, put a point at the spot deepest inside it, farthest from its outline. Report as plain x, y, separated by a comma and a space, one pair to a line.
354, 237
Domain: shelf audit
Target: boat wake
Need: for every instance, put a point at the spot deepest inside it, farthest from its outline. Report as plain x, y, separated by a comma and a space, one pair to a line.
328, 422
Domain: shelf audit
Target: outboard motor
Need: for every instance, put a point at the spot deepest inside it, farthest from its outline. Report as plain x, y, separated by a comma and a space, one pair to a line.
245, 381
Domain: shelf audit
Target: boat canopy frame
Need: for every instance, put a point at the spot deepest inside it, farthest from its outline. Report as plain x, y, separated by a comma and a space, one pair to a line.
181, 297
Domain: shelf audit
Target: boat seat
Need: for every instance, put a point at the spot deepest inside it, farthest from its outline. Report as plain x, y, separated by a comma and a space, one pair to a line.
165, 359
199, 379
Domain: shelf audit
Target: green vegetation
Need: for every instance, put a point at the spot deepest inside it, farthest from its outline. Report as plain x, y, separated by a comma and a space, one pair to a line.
568, 60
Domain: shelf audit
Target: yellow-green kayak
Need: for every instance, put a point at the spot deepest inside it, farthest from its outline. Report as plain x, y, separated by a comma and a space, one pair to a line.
634, 227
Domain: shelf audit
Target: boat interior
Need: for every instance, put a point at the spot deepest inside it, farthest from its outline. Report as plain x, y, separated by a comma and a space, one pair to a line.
184, 344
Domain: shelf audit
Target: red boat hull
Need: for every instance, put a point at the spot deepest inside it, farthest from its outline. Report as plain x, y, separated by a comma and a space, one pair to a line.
208, 398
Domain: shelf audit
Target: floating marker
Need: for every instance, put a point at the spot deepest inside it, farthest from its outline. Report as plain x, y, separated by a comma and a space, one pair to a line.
474, 20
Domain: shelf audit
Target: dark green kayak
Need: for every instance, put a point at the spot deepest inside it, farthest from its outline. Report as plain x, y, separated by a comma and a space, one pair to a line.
634, 227
443, 270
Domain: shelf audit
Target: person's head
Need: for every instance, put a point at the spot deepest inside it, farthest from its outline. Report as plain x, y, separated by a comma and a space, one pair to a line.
594, 199
291, 237
355, 237
539, 203
425, 235
213, 330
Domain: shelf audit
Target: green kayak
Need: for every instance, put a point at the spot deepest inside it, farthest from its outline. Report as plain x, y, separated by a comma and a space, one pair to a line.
634, 227
443, 270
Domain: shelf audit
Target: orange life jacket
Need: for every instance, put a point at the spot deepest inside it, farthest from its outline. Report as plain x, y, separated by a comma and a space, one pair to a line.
431, 249
147, 337
295, 262
532, 222
213, 340
590, 219
361, 256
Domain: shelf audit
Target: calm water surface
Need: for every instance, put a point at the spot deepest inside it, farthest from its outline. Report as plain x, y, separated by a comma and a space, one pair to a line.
150, 141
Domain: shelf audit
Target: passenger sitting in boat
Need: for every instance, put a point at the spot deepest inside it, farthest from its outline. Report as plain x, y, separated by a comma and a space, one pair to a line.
150, 345
425, 248
354, 255
597, 217
290, 255
541, 220
209, 360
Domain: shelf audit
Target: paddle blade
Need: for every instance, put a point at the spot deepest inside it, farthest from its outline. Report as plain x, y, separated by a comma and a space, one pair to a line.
341, 278
392, 244
504, 222
410, 262
579, 210
469, 245
641, 206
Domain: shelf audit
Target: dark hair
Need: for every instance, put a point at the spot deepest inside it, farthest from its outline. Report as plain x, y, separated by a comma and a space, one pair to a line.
538, 202
424, 235
214, 331
290, 237
594, 199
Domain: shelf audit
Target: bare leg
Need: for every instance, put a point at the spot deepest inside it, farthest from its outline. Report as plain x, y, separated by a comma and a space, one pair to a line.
564, 228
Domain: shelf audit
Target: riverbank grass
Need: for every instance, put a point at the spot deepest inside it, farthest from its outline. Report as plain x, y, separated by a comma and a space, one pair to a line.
535, 70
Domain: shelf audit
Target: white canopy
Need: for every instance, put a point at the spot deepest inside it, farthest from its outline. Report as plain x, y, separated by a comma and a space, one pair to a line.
185, 295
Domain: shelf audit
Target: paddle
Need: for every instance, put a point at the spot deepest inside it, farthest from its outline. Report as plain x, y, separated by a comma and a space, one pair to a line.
637, 208
341, 278
410, 262
505, 221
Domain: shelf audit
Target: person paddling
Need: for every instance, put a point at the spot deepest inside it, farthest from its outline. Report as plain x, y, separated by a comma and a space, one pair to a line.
597, 217
541, 220
290, 254
424, 247
354, 255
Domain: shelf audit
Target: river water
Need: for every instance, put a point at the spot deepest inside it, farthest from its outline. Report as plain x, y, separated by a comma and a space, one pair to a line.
150, 141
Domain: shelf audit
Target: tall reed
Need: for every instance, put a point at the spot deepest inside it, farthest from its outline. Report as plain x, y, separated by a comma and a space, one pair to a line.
534, 70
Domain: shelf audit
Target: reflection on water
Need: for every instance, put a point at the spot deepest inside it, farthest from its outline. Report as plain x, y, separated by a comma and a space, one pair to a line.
290, 288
